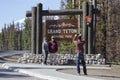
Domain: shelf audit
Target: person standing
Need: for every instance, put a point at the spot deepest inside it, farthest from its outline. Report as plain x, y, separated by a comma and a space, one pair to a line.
53, 48
45, 49
77, 40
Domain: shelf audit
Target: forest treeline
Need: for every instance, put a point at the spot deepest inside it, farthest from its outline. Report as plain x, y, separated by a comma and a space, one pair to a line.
16, 37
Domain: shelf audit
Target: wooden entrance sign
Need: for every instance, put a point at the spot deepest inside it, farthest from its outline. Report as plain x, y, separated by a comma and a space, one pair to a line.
62, 30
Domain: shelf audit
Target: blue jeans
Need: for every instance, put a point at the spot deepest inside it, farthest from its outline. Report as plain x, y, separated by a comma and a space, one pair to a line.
80, 56
45, 55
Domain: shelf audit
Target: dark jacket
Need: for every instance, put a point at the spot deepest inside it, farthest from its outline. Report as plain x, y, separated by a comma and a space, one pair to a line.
53, 46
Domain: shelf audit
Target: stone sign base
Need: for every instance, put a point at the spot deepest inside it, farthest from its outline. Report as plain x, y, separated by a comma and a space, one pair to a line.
60, 59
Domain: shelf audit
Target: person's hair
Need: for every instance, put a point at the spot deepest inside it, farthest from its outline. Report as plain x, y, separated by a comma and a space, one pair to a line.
52, 37
79, 37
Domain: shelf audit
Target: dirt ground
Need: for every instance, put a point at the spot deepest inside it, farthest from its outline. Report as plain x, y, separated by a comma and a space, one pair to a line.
106, 74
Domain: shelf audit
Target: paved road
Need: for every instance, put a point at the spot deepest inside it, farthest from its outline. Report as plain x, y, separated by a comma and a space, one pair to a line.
8, 53
10, 75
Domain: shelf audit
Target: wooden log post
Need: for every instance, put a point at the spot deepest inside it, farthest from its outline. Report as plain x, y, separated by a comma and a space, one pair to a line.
90, 33
94, 3
57, 12
33, 30
85, 27
39, 29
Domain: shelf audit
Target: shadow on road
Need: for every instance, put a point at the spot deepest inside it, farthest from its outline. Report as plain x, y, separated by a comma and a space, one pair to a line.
10, 74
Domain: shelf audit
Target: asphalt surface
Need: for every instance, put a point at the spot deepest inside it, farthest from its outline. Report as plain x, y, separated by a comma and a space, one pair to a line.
6, 74
51, 72
14, 71
10, 53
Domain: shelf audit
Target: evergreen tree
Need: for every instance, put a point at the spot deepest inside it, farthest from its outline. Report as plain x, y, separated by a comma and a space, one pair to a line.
27, 34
